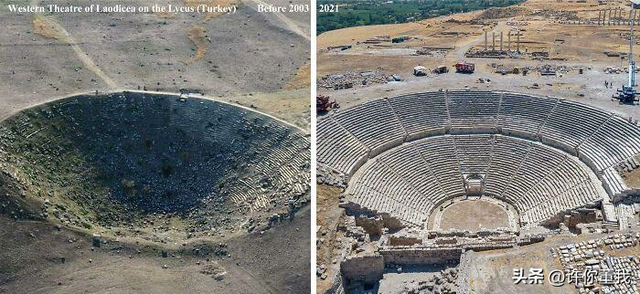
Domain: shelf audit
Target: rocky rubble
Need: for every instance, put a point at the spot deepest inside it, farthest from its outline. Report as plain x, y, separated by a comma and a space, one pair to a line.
348, 80
328, 176
595, 255
140, 161
442, 283
501, 12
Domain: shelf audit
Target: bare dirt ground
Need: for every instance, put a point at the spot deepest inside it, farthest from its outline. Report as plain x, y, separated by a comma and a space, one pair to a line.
52, 55
493, 270
473, 216
289, 106
328, 246
255, 263
394, 283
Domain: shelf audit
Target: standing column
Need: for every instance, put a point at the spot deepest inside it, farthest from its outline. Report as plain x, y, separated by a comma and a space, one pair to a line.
485, 41
509, 41
493, 47
501, 35
599, 15
619, 16
518, 42
609, 22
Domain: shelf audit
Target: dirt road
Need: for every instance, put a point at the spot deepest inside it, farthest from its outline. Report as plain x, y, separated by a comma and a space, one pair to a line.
84, 57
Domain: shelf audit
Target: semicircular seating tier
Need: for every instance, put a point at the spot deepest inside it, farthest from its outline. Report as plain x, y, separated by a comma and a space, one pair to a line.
558, 138
409, 181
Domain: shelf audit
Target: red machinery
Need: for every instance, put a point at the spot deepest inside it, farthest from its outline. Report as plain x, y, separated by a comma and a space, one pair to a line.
323, 104
465, 67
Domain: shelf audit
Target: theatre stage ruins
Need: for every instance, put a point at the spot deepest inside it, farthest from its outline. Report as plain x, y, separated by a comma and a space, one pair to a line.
449, 191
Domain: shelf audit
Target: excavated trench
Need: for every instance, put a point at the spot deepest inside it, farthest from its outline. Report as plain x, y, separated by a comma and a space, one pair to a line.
125, 158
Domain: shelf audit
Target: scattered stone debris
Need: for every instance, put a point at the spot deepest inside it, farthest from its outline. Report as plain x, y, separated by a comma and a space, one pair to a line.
442, 283
330, 177
553, 69
612, 70
215, 271
433, 51
354, 79
598, 257
560, 15
501, 12
339, 48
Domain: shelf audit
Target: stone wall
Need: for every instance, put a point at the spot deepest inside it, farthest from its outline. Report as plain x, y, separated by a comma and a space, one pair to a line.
363, 268
404, 240
354, 209
371, 225
447, 250
417, 255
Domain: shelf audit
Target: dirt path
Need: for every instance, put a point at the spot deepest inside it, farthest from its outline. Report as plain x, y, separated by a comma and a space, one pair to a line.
84, 57
250, 280
288, 22
460, 52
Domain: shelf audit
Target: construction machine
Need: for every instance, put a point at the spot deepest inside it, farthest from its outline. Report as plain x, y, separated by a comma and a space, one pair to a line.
323, 104
419, 71
441, 69
628, 92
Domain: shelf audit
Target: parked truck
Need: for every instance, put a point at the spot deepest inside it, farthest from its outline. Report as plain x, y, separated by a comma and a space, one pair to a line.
465, 67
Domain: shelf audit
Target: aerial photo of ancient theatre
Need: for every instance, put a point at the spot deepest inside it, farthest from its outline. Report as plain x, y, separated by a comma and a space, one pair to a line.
160, 151
476, 146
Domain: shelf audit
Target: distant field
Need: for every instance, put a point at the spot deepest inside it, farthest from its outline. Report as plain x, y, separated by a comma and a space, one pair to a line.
360, 13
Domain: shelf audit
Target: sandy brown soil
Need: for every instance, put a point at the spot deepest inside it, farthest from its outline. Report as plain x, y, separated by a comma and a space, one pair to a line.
292, 106
632, 179
50, 56
31, 262
493, 270
328, 217
473, 216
